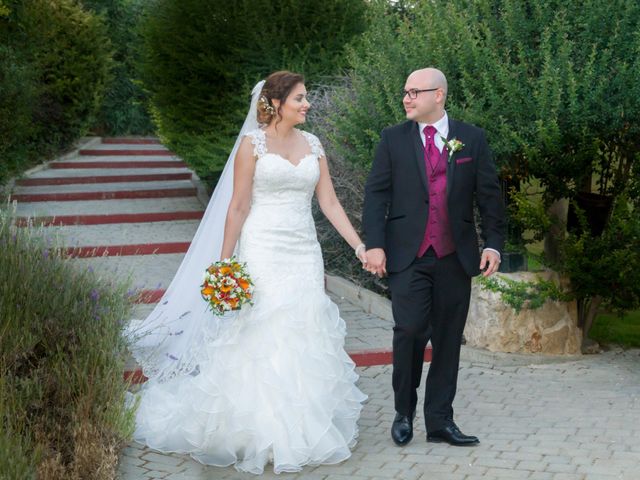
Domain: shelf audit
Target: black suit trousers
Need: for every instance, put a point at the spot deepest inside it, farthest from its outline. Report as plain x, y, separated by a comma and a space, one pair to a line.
430, 300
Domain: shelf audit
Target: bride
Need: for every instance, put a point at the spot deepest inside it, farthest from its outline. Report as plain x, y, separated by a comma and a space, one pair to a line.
271, 382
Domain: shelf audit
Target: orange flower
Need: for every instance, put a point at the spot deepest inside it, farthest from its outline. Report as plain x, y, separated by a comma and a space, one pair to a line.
208, 290
243, 284
225, 270
226, 288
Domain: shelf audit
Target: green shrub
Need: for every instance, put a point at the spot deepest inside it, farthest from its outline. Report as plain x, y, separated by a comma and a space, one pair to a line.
70, 53
554, 83
61, 362
201, 59
605, 270
17, 94
59, 56
124, 108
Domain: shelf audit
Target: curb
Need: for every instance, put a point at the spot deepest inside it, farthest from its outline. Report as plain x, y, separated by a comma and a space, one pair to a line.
367, 300
380, 306
201, 190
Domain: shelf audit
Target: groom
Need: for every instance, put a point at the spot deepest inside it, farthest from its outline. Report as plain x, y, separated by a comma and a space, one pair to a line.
418, 219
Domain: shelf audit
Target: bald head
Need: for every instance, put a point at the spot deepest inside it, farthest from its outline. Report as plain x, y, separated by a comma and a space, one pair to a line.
425, 95
432, 77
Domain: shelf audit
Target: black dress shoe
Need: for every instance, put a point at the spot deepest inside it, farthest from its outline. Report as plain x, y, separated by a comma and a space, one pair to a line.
402, 429
453, 436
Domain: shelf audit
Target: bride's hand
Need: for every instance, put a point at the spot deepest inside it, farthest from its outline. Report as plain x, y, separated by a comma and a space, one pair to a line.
363, 258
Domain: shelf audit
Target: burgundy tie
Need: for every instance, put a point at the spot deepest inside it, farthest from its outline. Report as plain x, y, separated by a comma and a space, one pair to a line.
431, 155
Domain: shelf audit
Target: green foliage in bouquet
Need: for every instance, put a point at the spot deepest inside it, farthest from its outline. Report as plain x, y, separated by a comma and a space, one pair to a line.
62, 410
201, 58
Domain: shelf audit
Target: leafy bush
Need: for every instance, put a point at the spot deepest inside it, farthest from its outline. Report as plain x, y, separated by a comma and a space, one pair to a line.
72, 55
553, 83
124, 108
17, 94
61, 362
59, 56
201, 59
605, 270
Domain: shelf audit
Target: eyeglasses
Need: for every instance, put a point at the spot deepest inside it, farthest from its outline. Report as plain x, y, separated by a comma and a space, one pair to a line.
413, 92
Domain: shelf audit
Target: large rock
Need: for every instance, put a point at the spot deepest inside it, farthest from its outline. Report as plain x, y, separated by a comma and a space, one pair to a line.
494, 325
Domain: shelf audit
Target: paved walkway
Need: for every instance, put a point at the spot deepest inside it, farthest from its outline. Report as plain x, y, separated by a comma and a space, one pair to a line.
577, 420
537, 417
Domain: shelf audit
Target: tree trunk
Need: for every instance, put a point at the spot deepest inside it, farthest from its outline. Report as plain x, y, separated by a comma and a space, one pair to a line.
590, 313
558, 212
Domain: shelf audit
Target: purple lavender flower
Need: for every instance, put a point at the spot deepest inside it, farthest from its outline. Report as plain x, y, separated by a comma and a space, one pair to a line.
94, 295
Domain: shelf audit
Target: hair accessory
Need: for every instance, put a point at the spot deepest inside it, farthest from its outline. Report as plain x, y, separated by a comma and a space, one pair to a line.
266, 106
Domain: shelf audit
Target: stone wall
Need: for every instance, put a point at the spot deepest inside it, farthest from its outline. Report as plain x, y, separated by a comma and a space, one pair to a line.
494, 325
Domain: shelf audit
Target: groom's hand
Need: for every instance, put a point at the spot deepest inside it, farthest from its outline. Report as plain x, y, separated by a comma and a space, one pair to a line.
377, 262
489, 263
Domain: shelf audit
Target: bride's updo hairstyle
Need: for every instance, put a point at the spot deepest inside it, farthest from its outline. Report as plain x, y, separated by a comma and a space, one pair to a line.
277, 86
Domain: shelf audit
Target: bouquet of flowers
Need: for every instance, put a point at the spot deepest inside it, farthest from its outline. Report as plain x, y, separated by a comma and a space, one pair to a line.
226, 286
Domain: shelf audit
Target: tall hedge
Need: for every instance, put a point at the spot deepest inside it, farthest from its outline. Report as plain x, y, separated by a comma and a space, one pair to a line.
17, 95
59, 57
124, 109
202, 57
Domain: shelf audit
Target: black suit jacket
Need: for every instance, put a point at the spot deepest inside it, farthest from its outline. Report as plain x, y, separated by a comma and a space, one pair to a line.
396, 201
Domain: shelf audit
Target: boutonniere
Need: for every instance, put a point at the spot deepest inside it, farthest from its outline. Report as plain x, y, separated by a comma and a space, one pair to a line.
454, 145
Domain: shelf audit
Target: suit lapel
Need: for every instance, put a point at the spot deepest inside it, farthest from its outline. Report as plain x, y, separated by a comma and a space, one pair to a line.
418, 149
451, 165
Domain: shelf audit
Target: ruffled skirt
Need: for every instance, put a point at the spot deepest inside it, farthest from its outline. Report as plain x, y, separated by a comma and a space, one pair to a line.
276, 386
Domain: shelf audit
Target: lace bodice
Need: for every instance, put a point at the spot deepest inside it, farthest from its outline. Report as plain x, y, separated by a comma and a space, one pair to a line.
277, 180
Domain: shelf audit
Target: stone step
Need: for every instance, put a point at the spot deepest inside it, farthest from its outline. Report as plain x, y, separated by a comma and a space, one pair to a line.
71, 179
128, 249
126, 233
103, 187
154, 150
148, 272
131, 141
105, 195
109, 219
109, 207
63, 173
120, 164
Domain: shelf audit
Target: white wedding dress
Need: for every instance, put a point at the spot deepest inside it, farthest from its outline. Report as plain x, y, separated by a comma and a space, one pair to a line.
274, 384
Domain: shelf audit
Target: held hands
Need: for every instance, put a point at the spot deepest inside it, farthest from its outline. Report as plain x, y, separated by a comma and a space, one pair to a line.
362, 256
489, 263
376, 262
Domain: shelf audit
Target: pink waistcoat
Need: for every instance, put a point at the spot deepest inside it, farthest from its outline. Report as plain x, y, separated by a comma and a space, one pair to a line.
438, 232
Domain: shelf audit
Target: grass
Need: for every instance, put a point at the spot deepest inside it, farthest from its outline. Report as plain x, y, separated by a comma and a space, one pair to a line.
612, 329
62, 356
